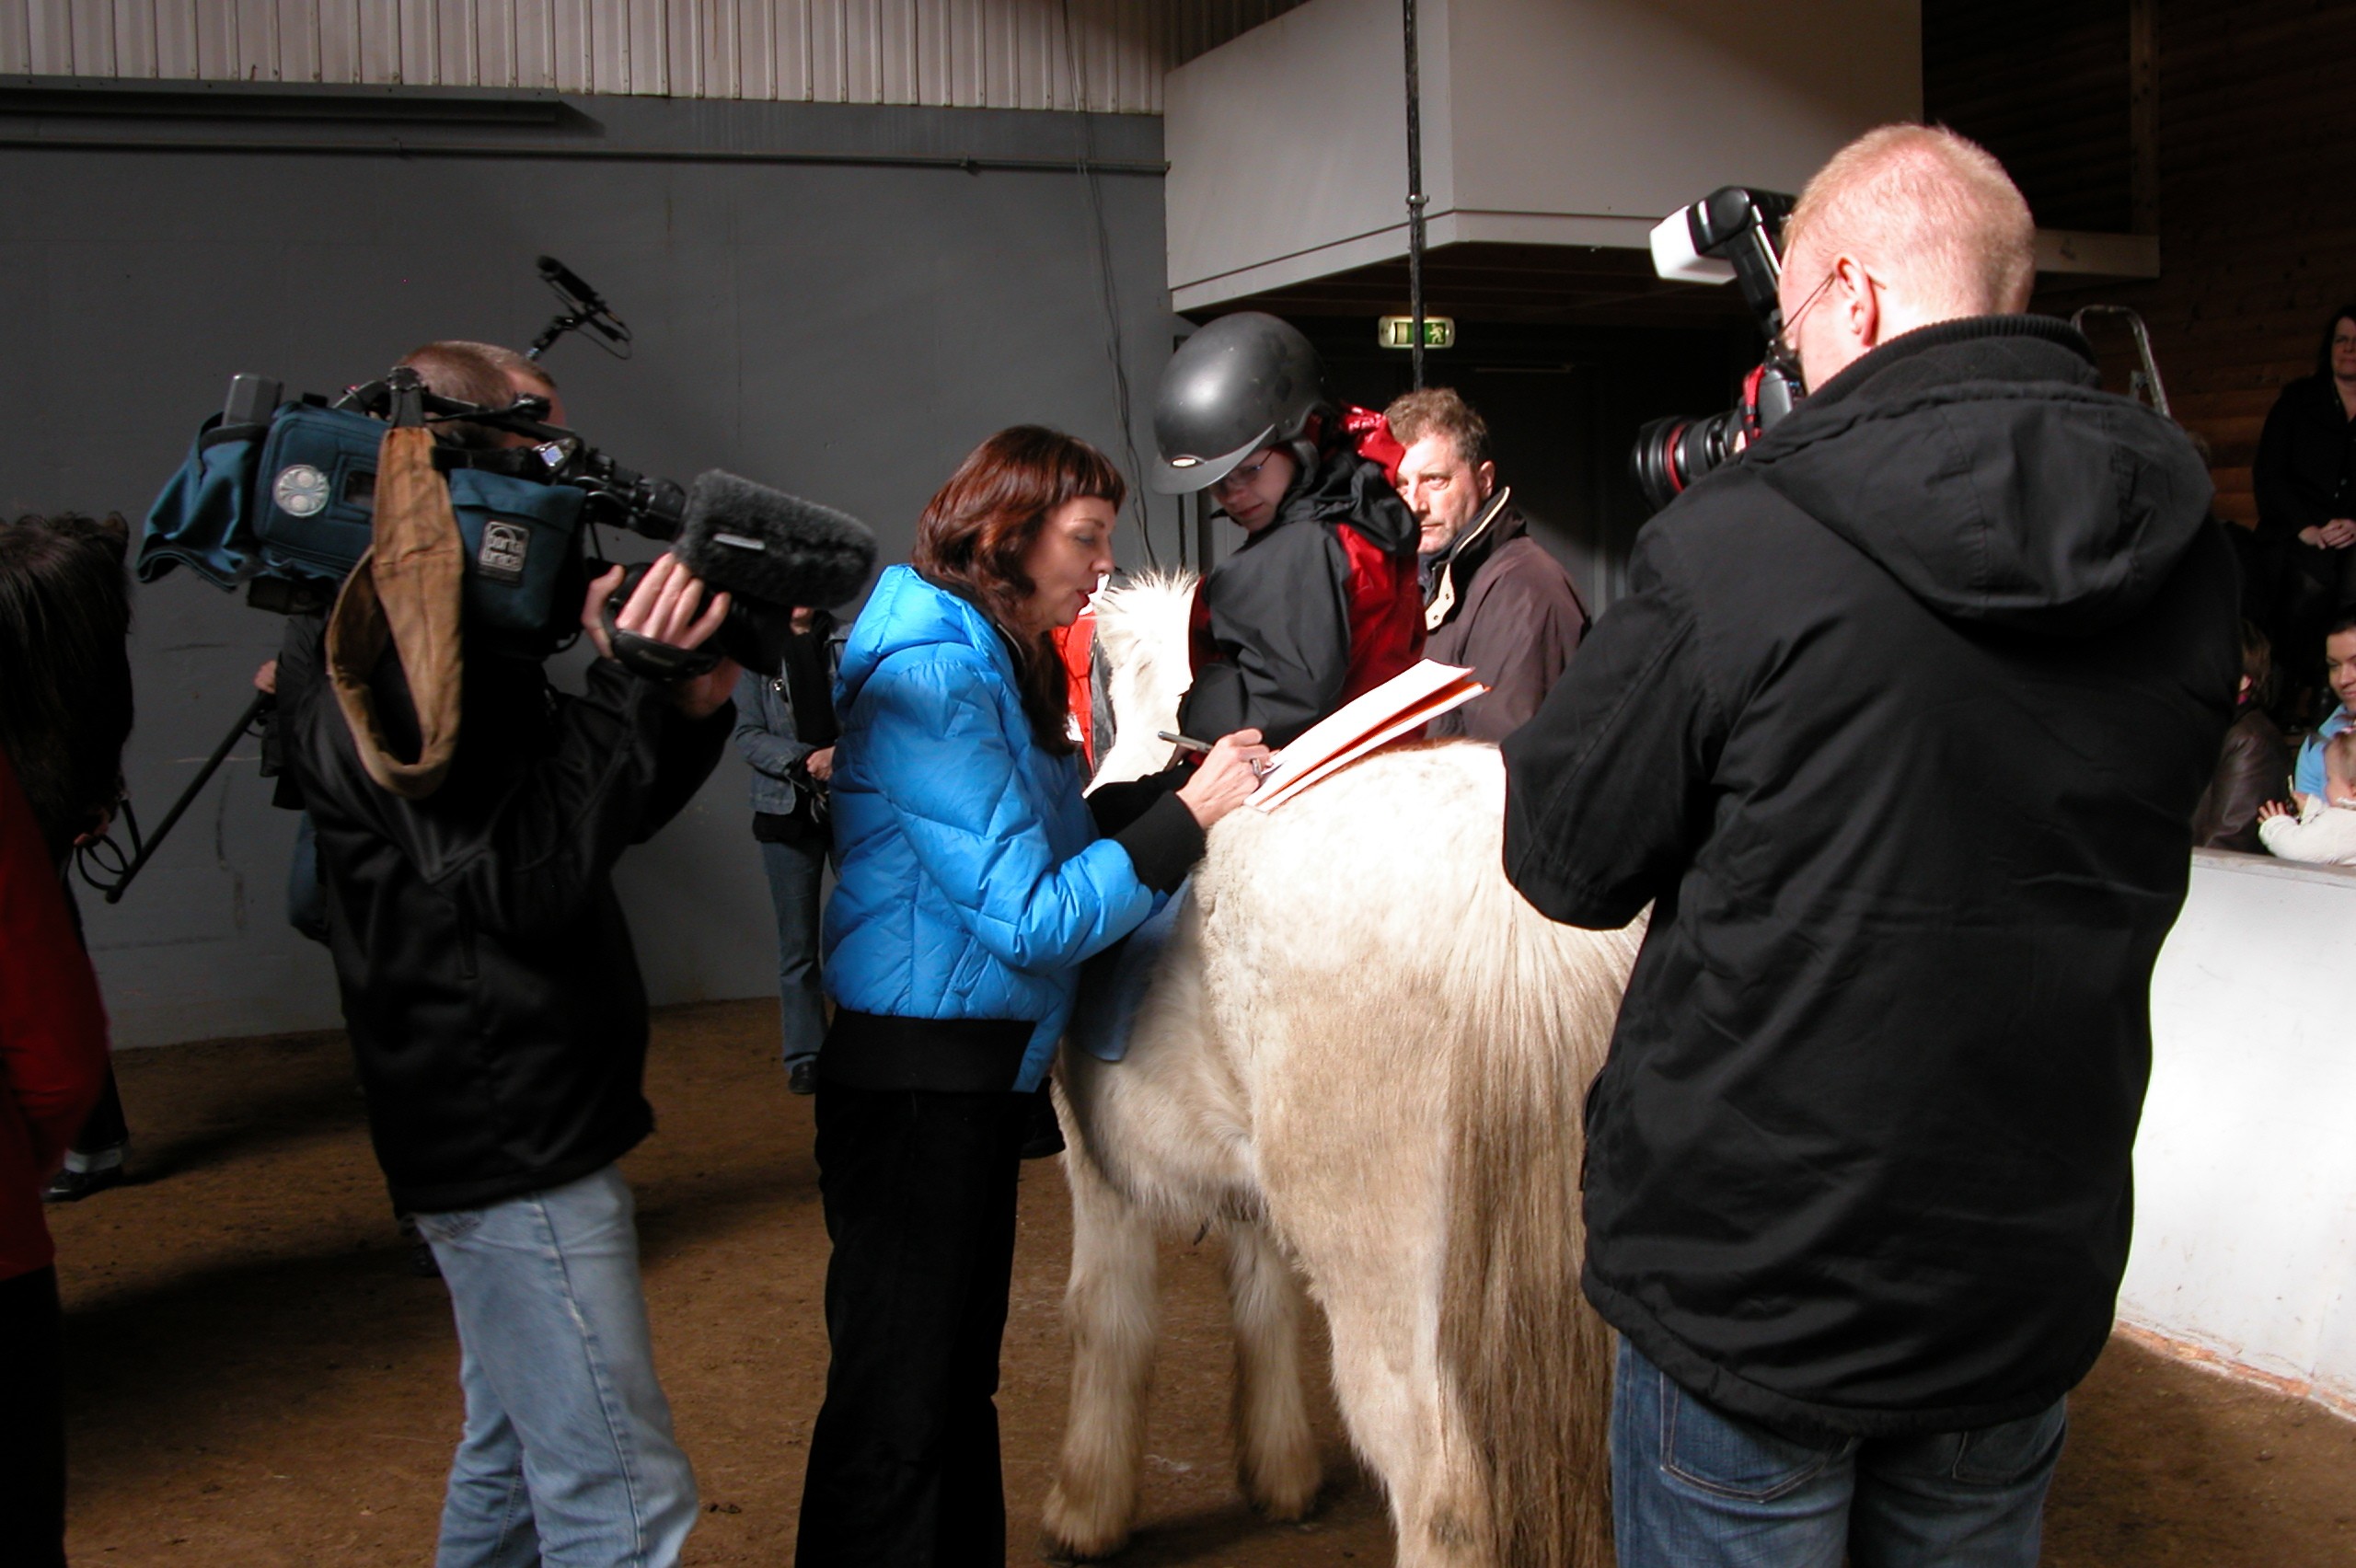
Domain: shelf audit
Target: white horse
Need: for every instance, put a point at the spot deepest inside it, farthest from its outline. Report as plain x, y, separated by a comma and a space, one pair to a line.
1362, 1057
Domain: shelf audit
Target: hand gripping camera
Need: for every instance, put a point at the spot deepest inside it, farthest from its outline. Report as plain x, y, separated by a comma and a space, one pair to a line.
1732, 234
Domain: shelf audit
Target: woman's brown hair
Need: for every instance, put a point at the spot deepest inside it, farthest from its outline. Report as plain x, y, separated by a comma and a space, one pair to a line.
978, 528
65, 705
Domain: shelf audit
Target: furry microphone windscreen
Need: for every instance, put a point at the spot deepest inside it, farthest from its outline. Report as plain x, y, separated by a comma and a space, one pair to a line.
762, 543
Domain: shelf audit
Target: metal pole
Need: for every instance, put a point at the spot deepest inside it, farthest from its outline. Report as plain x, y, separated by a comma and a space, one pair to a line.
1415, 195
261, 704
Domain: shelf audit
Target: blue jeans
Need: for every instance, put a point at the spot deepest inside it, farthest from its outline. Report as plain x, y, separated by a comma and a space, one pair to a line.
794, 870
1694, 1488
568, 1458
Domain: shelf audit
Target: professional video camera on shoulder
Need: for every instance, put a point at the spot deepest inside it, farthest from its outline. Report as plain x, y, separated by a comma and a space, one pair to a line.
1732, 234
279, 495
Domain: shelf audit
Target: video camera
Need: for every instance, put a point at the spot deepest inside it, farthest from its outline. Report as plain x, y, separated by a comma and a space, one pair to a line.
279, 496
1732, 234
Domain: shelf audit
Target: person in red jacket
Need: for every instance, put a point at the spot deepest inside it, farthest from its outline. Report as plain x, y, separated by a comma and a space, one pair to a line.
63, 612
1320, 603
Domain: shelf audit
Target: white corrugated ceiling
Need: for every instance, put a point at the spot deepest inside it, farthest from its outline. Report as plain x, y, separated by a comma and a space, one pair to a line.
953, 53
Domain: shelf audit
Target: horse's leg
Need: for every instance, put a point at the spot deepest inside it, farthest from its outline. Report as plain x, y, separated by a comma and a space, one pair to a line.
1386, 1376
1276, 1456
1113, 1310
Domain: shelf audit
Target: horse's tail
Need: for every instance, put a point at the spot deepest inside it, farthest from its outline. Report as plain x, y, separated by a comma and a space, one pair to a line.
1527, 1360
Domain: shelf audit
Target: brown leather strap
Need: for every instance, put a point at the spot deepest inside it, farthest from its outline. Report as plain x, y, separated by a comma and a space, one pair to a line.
406, 589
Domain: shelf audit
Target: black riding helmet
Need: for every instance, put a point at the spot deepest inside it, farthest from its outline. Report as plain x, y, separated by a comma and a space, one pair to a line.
1243, 382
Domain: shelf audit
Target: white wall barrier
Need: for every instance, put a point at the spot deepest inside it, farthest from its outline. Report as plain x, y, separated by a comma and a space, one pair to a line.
2246, 1167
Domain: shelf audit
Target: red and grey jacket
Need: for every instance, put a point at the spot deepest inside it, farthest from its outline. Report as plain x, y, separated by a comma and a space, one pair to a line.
1313, 609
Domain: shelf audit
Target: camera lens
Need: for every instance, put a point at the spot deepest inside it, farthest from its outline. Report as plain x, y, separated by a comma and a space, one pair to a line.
1672, 453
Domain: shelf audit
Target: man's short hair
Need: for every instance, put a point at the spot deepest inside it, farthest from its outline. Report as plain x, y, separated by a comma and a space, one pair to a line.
2342, 620
511, 364
2257, 662
1440, 410
1926, 208
452, 368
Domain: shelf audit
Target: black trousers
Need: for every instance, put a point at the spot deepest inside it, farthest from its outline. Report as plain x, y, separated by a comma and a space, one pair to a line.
32, 1422
920, 1189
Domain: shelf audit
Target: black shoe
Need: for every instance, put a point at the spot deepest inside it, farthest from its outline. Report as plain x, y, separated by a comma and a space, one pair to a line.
1044, 1138
801, 1075
73, 1186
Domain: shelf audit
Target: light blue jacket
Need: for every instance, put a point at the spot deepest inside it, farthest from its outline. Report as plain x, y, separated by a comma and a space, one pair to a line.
2306, 777
971, 881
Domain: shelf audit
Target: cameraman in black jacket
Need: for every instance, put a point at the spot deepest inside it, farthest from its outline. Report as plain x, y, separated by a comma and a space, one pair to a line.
499, 1021
1898, 732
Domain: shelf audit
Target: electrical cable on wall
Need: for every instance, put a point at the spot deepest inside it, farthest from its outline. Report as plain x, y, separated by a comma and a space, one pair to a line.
1416, 198
1107, 294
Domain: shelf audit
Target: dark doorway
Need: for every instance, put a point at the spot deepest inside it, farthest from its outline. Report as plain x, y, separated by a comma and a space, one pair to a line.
1563, 405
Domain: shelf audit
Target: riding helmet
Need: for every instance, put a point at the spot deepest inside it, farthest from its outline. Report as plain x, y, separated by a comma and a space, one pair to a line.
1243, 382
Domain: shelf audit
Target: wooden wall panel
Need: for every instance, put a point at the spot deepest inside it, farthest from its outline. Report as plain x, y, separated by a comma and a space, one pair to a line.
954, 53
2256, 243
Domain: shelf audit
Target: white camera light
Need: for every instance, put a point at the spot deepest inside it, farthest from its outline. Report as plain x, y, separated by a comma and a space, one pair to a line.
1674, 257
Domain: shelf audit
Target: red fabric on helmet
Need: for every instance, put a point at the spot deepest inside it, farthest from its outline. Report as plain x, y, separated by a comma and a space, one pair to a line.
1369, 432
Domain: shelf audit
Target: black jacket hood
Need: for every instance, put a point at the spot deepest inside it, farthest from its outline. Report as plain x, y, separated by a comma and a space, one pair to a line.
1977, 462
1347, 488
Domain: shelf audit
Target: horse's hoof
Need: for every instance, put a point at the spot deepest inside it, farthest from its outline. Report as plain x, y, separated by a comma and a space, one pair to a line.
1286, 1497
1054, 1548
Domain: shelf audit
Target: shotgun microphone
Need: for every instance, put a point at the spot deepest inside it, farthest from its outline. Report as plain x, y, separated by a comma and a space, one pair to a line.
771, 552
583, 308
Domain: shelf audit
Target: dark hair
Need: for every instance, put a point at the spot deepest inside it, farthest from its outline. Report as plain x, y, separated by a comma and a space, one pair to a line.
1440, 410
2258, 664
65, 707
2330, 329
463, 371
978, 528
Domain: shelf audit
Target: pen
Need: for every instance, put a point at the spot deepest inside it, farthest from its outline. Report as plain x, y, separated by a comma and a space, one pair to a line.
1184, 742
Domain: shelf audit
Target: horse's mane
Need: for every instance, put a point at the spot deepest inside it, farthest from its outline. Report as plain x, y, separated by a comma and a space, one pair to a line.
1141, 640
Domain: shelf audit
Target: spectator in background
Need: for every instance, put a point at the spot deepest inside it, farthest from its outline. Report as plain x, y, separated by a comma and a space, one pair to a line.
2305, 481
68, 614
2339, 673
1493, 600
2256, 760
65, 712
785, 727
2325, 831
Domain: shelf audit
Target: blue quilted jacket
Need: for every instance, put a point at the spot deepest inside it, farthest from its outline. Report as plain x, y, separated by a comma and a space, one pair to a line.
971, 881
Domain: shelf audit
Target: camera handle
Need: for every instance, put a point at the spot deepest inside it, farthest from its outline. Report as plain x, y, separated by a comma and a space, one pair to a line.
261, 704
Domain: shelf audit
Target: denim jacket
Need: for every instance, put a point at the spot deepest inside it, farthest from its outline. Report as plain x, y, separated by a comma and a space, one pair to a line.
766, 736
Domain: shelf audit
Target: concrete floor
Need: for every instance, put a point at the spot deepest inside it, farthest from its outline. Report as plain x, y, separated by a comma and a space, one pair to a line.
256, 1379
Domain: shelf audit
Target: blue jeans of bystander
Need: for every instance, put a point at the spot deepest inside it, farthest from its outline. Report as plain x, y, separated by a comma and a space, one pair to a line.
794, 872
1695, 1488
568, 1458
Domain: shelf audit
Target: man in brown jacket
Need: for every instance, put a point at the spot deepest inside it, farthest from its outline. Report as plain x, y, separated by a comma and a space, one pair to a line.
1493, 598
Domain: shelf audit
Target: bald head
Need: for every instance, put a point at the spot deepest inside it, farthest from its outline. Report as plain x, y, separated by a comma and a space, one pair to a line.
1906, 225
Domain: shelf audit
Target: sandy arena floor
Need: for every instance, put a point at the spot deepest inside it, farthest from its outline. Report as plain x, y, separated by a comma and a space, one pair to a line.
255, 1377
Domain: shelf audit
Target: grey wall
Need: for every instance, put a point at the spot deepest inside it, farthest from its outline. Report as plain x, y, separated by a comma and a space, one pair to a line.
843, 329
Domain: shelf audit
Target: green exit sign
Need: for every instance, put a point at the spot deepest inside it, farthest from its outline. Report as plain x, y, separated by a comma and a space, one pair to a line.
1399, 331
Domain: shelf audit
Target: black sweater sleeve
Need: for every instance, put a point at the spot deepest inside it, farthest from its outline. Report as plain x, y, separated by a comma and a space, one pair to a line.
1146, 817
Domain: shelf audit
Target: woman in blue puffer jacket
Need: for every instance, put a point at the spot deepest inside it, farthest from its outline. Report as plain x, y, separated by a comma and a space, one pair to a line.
971, 884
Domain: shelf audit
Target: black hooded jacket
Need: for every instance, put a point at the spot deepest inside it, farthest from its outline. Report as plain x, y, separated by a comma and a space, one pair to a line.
1313, 609
489, 987
1899, 731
